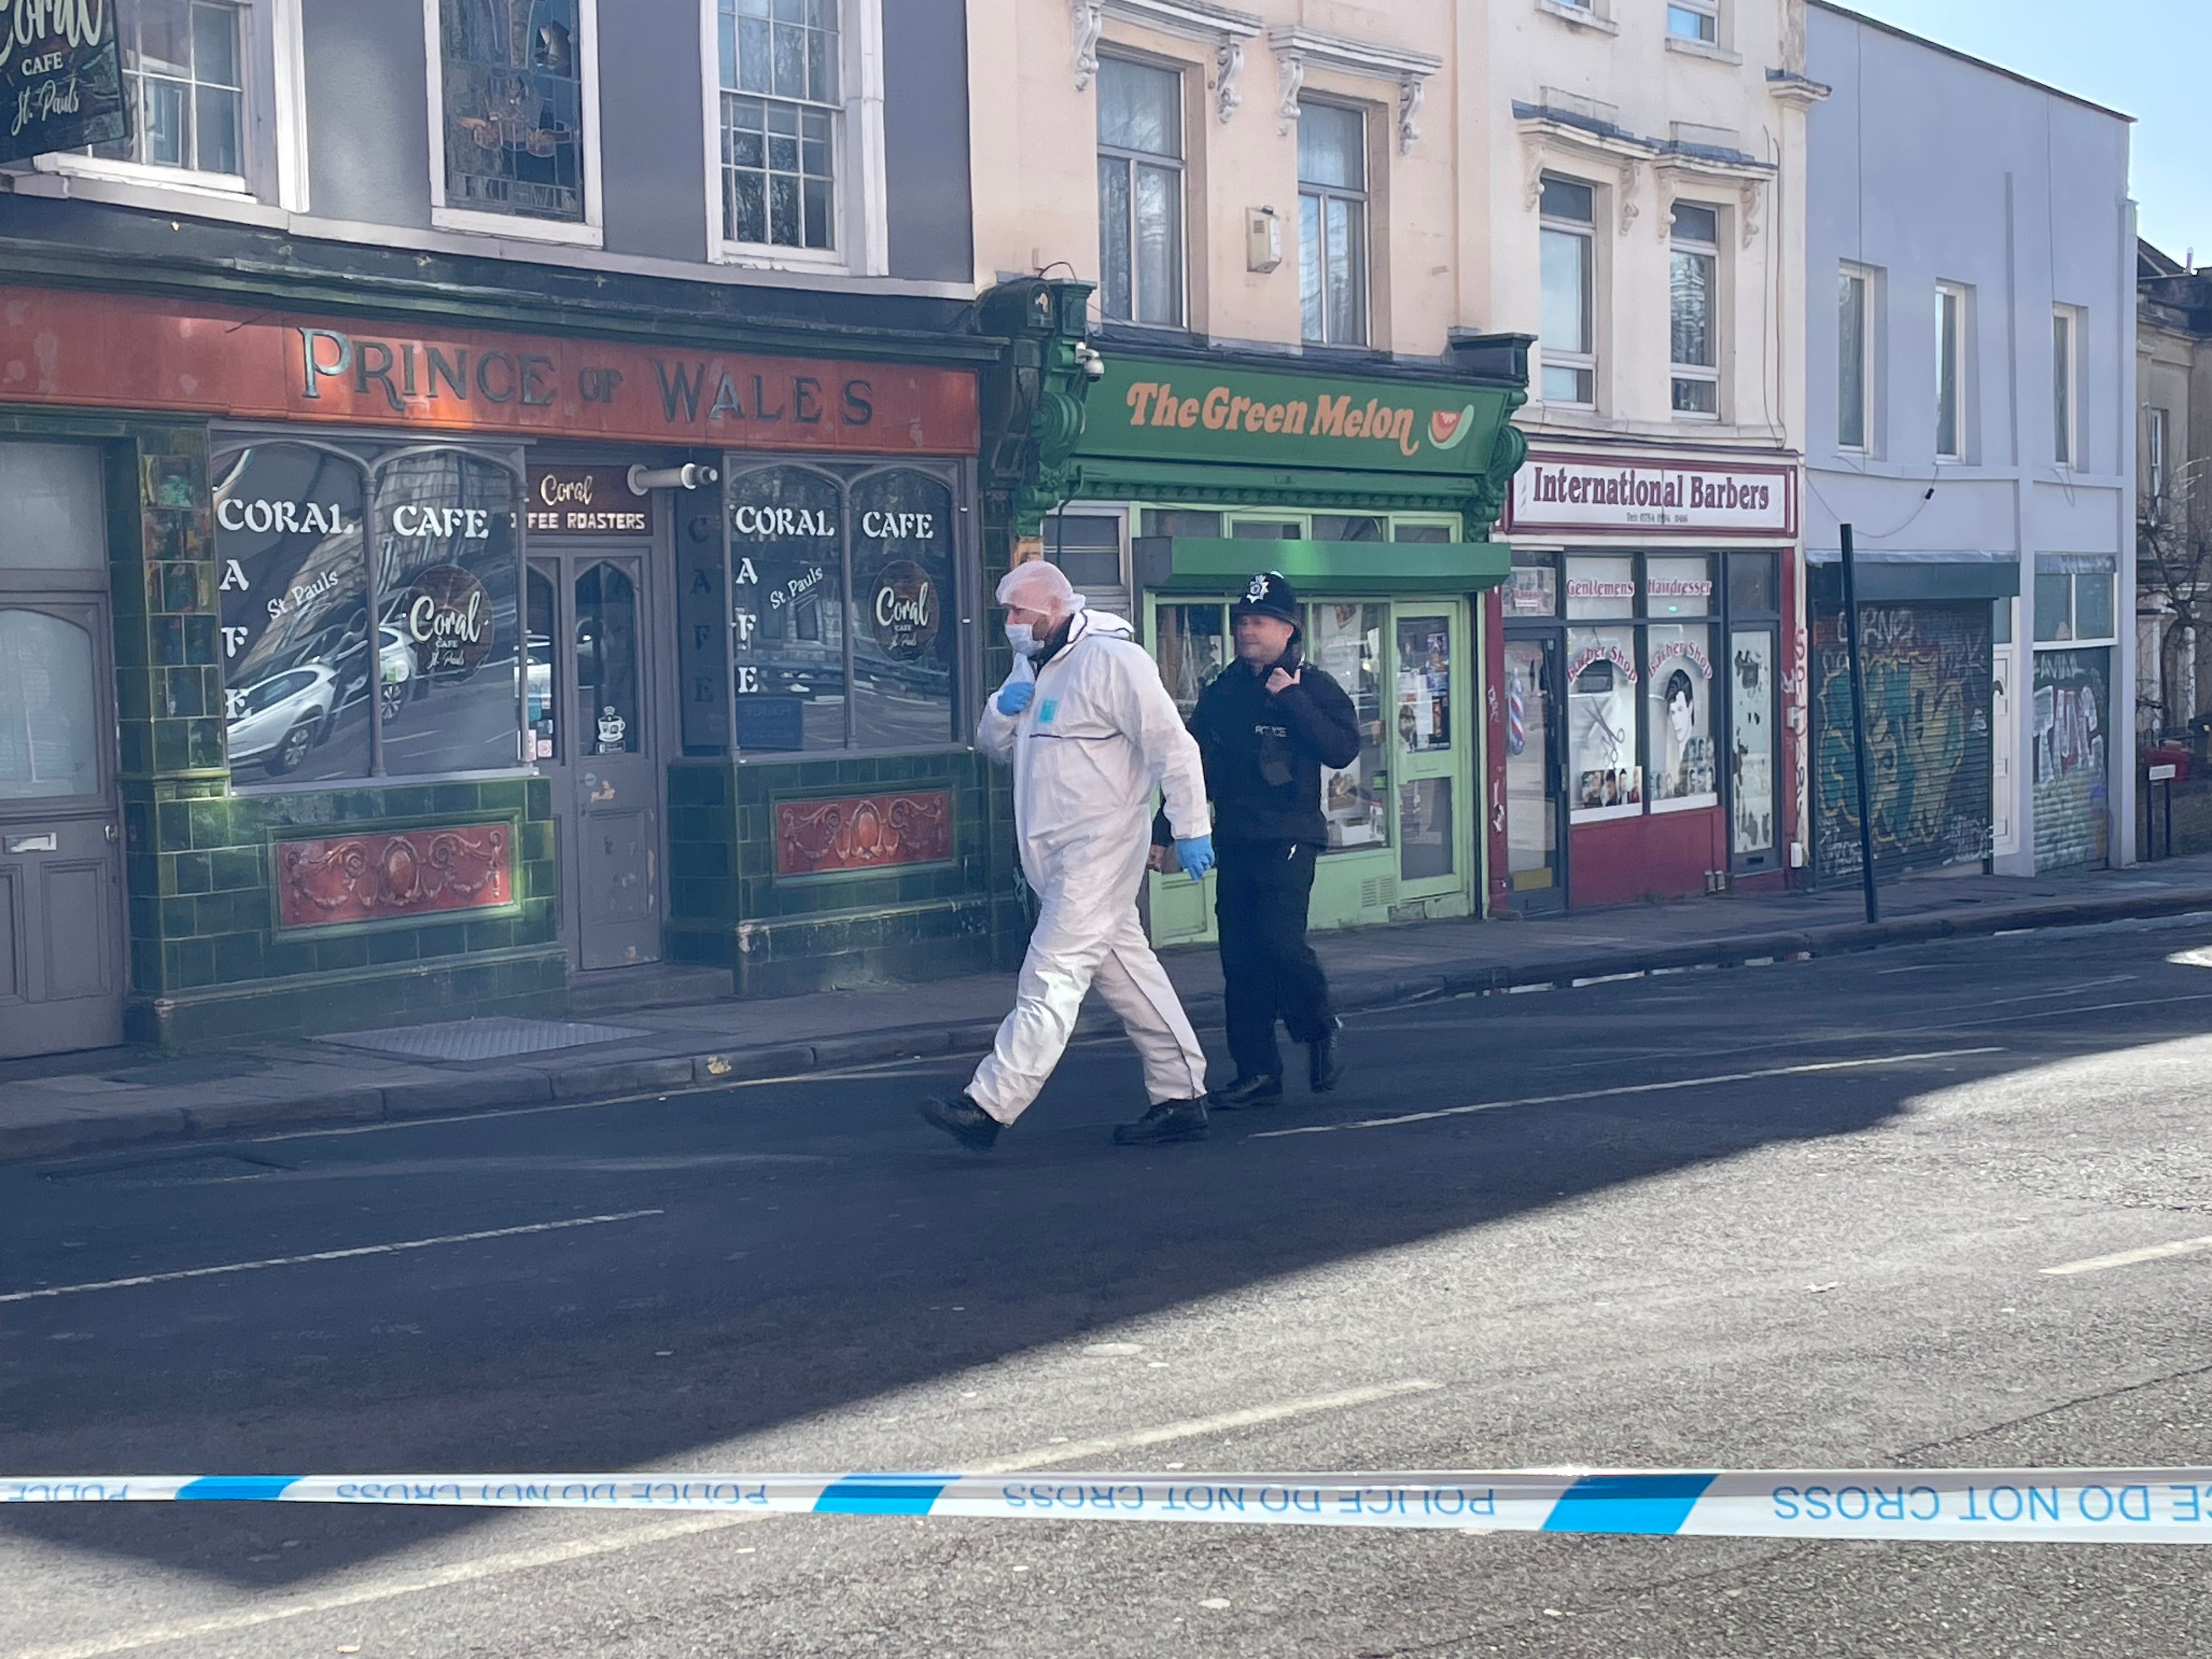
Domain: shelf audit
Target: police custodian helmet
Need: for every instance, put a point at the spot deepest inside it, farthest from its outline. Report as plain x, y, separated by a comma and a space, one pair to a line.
1270, 595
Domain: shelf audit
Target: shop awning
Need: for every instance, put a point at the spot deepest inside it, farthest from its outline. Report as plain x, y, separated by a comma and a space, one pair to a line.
1191, 564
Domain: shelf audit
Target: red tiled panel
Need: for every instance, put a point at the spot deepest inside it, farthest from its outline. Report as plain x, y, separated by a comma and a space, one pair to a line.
862, 832
389, 874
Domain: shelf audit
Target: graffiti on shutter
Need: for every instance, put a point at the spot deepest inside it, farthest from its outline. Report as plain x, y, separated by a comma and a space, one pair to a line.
2073, 776
1928, 737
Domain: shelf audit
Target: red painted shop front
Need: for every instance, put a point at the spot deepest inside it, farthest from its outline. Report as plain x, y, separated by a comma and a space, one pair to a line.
1650, 680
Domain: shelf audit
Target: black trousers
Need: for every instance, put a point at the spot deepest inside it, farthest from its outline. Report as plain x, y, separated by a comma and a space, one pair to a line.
1262, 894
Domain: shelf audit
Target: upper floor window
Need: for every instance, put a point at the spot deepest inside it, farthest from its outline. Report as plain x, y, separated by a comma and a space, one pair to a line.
183, 62
1950, 372
1569, 321
511, 84
780, 112
2155, 464
1332, 223
2065, 381
1693, 300
1695, 20
1140, 181
1854, 359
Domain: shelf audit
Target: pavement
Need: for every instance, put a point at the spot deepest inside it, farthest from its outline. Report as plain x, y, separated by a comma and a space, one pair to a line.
1794, 1215
75, 1103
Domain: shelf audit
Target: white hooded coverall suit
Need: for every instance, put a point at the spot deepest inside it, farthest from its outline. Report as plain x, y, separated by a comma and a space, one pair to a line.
1100, 734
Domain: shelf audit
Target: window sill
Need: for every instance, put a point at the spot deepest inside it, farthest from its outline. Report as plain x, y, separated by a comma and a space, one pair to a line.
1581, 17
516, 227
768, 256
1705, 49
1583, 815
225, 186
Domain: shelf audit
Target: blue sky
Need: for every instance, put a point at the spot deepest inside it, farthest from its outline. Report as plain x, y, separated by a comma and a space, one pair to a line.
2147, 57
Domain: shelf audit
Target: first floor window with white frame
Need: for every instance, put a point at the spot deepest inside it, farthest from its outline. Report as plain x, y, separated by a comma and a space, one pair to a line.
1950, 372
1569, 315
1694, 302
2065, 386
1140, 192
781, 111
1694, 20
2155, 464
1333, 224
1854, 359
184, 66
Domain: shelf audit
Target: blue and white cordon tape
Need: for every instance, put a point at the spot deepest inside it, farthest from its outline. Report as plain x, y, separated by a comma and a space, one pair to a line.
2096, 1506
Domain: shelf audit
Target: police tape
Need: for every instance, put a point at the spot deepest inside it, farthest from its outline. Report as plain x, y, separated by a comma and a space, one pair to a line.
2122, 1506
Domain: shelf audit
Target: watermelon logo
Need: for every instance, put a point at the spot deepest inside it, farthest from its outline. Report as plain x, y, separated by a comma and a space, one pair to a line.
1448, 431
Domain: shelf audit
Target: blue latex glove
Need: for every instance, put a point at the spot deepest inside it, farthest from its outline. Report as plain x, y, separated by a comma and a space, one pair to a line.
1196, 854
1015, 695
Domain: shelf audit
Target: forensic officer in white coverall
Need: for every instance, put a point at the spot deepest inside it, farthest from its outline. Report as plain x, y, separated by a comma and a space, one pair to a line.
1090, 733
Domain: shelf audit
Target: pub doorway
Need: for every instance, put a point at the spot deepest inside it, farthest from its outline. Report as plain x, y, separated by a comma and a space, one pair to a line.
593, 727
61, 888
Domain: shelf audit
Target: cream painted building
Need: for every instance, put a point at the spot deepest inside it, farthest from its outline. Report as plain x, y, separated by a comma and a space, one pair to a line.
1639, 202
1271, 204
1604, 198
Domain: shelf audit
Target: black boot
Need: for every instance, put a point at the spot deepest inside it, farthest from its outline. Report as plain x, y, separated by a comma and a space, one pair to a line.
1259, 1090
1322, 1069
1171, 1120
964, 1120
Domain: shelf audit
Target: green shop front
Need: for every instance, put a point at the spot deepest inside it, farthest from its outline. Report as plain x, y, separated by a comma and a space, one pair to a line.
1374, 492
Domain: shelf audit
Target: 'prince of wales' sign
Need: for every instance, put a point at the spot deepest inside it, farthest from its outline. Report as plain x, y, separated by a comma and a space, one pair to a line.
61, 77
1175, 409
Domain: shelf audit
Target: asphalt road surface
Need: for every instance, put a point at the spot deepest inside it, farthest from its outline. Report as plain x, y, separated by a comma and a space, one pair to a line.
1707, 1244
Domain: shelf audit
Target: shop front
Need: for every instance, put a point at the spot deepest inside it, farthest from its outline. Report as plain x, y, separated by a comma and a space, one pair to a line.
1939, 663
1648, 677
357, 683
1375, 496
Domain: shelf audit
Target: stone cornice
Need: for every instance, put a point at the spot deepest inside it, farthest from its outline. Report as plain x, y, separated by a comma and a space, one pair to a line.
1299, 48
1219, 27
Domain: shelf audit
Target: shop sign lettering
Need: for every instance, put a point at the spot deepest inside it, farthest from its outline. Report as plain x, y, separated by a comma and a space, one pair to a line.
1585, 588
1164, 410
1683, 651
61, 77
134, 352
1605, 651
281, 518
1600, 494
585, 501
781, 523
471, 524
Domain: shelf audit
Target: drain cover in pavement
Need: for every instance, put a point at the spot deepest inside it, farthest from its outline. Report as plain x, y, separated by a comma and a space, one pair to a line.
498, 1038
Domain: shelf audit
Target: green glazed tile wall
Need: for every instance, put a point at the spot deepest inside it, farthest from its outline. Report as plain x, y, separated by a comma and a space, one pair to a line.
206, 961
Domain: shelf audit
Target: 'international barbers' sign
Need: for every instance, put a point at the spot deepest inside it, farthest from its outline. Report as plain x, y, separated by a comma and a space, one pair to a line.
61, 79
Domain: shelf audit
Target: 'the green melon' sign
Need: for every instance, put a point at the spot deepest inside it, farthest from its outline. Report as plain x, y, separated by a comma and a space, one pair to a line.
1158, 409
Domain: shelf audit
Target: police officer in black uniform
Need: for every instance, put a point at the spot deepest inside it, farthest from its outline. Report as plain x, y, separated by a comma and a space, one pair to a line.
1266, 726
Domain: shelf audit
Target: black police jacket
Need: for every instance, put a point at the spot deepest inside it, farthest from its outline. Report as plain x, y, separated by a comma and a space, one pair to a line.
1264, 753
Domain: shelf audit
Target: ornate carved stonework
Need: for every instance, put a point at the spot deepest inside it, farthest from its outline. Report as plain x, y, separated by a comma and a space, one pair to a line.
388, 874
863, 832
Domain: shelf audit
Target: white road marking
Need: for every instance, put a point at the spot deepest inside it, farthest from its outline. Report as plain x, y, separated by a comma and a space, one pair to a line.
2097, 1264
582, 1549
1621, 1088
325, 1255
2062, 991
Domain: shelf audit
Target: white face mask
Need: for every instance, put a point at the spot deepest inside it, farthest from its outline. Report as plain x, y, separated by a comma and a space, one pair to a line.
1023, 638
